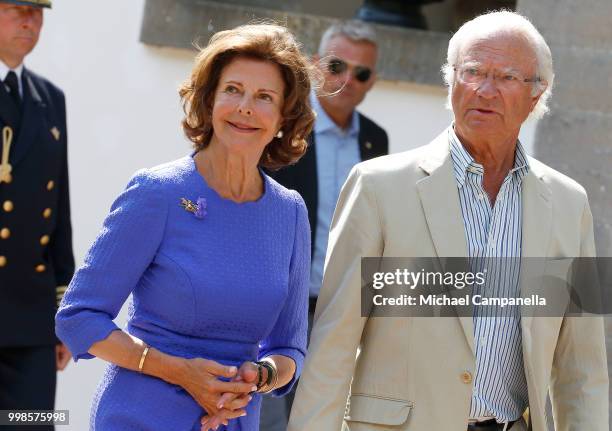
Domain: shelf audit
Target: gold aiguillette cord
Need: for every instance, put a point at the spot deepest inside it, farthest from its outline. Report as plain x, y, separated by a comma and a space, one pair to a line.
5, 166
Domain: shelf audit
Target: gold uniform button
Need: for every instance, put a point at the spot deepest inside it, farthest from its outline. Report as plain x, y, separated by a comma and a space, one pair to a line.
8, 206
466, 377
40, 268
44, 240
50, 185
5, 233
2, 261
47, 213
368, 145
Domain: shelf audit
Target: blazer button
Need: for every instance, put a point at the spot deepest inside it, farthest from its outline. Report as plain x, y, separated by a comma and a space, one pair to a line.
47, 213
5, 233
50, 185
466, 377
2, 261
8, 206
40, 268
44, 240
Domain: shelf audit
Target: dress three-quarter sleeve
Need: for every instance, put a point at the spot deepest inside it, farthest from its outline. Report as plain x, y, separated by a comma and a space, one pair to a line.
288, 337
113, 266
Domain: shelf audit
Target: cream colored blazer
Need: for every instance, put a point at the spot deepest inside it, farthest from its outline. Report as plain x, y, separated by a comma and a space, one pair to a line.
415, 374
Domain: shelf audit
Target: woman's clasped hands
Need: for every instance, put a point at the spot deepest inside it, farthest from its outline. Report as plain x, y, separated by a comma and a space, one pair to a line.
222, 400
248, 374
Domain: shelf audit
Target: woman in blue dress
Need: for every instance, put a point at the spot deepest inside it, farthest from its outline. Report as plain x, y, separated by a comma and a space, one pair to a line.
215, 253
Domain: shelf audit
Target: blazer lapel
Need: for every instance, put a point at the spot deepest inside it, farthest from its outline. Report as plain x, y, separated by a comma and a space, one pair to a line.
305, 181
369, 145
440, 201
366, 146
33, 113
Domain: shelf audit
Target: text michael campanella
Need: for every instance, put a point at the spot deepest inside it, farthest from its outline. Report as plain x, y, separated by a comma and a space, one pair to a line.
452, 280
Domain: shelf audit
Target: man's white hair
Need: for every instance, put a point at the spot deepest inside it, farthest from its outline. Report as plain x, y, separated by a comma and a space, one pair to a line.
504, 22
357, 31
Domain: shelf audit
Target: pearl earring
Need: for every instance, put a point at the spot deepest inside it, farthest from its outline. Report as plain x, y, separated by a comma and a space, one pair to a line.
279, 135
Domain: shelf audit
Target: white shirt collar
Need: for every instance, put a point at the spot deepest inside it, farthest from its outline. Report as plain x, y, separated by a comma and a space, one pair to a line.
4, 70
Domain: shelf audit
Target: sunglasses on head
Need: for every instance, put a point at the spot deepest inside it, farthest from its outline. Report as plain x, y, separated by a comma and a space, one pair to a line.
337, 66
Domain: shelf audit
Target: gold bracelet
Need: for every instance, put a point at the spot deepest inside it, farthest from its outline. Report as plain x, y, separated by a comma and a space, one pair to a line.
142, 358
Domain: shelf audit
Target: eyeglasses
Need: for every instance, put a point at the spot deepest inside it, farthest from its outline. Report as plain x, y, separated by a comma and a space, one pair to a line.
336, 66
472, 74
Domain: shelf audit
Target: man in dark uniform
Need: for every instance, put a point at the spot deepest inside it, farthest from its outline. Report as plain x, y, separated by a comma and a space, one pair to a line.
342, 137
36, 260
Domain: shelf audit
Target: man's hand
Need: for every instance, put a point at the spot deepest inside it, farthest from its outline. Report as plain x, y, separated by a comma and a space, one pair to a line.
62, 356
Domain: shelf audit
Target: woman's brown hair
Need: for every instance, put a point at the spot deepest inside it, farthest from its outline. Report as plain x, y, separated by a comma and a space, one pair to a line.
267, 42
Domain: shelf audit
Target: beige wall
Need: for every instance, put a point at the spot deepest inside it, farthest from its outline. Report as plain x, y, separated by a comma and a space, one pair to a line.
124, 114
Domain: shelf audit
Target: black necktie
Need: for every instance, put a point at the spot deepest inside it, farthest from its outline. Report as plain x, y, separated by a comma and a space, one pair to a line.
13, 86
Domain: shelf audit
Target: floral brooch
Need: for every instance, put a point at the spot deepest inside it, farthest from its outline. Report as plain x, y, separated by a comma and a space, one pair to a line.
198, 209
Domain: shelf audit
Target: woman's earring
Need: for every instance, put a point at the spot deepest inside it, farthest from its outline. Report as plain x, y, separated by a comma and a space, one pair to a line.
279, 135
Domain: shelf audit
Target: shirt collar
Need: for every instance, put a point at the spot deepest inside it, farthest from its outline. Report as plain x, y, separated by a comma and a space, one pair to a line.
325, 124
4, 70
463, 162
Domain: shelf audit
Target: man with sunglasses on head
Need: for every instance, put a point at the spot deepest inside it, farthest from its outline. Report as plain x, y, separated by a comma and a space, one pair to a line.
36, 259
342, 137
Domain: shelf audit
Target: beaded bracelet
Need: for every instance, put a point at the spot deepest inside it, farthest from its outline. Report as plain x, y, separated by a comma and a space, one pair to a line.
272, 380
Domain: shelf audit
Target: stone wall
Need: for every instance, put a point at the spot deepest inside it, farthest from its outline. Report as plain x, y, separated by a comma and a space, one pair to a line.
576, 138
404, 54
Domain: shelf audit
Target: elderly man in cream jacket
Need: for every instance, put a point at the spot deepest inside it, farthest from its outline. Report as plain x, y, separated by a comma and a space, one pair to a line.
471, 192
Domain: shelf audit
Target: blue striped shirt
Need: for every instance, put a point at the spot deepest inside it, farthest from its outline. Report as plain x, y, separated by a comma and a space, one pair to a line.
500, 386
337, 152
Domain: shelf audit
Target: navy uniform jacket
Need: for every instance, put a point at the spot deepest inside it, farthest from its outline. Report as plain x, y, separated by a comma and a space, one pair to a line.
302, 176
36, 257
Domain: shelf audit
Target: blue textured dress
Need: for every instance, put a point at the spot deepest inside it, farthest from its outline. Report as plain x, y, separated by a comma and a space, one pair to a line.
231, 286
